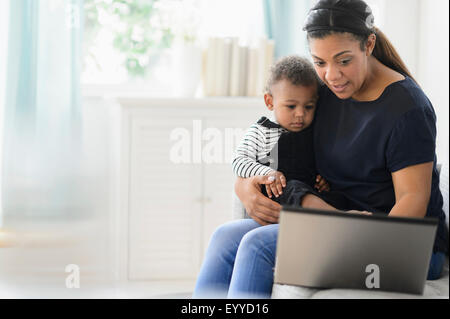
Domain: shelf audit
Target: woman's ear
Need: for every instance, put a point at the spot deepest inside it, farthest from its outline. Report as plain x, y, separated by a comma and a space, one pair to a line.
268, 99
370, 45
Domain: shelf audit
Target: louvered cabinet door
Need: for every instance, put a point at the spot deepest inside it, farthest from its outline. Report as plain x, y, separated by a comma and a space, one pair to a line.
164, 218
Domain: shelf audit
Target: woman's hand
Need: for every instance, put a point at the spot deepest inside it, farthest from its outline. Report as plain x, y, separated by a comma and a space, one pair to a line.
360, 212
262, 209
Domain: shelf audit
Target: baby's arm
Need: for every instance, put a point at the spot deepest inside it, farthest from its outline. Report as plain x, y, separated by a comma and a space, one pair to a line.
245, 163
251, 147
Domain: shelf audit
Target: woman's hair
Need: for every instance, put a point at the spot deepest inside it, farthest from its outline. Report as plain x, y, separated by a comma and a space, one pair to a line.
355, 17
295, 69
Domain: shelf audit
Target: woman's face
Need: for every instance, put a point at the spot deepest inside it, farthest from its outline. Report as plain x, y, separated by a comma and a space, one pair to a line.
340, 63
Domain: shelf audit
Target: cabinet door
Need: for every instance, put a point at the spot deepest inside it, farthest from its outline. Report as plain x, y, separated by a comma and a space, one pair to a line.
164, 234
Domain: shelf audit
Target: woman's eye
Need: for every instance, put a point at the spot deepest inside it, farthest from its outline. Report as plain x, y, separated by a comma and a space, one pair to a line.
319, 63
309, 107
345, 62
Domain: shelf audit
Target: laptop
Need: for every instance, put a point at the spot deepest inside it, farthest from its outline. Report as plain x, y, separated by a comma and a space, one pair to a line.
336, 249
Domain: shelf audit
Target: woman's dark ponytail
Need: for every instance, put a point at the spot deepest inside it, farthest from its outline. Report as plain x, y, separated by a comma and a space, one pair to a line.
385, 52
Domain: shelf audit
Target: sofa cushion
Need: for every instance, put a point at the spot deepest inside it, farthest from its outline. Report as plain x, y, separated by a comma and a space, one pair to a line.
433, 289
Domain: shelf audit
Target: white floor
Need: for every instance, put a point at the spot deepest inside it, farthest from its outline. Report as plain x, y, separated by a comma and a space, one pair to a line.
33, 264
129, 290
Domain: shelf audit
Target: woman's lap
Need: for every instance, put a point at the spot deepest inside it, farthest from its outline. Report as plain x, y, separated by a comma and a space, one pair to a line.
254, 264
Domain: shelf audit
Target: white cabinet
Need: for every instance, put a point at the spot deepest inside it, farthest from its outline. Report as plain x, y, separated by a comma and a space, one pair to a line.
176, 180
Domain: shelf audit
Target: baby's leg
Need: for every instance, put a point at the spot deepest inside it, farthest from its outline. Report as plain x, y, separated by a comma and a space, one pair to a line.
294, 192
297, 193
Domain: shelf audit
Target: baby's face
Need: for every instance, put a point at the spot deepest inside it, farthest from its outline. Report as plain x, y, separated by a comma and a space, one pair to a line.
293, 105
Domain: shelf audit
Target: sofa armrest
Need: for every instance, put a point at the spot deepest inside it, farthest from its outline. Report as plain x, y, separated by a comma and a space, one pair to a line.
238, 210
443, 185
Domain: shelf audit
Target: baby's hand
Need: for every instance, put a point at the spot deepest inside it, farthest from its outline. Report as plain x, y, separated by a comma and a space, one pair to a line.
276, 187
321, 184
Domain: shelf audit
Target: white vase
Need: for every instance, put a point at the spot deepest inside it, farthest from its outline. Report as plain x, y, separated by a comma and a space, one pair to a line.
187, 69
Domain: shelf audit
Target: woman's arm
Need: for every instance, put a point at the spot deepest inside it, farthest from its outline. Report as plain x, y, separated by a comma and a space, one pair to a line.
262, 209
412, 186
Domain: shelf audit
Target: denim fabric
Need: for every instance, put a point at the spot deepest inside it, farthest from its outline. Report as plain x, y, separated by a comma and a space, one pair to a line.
436, 266
239, 261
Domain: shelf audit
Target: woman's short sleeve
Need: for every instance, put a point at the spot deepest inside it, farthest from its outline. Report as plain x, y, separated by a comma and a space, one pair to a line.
413, 140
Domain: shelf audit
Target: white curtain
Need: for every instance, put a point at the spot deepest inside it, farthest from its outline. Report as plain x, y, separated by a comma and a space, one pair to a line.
52, 192
42, 117
4, 21
284, 23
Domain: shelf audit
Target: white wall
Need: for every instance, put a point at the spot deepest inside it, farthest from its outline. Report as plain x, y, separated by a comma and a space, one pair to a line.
433, 65
401, 21
419, 30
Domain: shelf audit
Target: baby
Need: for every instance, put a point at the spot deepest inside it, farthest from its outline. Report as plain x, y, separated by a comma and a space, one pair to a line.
282, 147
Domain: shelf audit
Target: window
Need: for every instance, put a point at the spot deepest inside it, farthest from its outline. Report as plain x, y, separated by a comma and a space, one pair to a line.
128, 44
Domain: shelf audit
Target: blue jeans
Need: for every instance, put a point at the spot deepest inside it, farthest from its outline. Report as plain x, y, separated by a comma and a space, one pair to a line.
436, 265
240, 259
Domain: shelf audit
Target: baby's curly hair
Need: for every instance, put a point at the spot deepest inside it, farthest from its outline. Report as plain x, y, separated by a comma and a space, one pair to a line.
298, 70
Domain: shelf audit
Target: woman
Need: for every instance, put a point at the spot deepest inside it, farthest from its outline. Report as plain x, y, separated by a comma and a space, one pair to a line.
374, 143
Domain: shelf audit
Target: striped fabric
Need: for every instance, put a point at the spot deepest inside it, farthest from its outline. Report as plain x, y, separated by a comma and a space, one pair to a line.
252, 156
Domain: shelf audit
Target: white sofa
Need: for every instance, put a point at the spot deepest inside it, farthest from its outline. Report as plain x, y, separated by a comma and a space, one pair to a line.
433, 288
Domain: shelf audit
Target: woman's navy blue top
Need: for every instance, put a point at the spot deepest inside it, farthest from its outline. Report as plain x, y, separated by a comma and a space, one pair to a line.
359, 144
